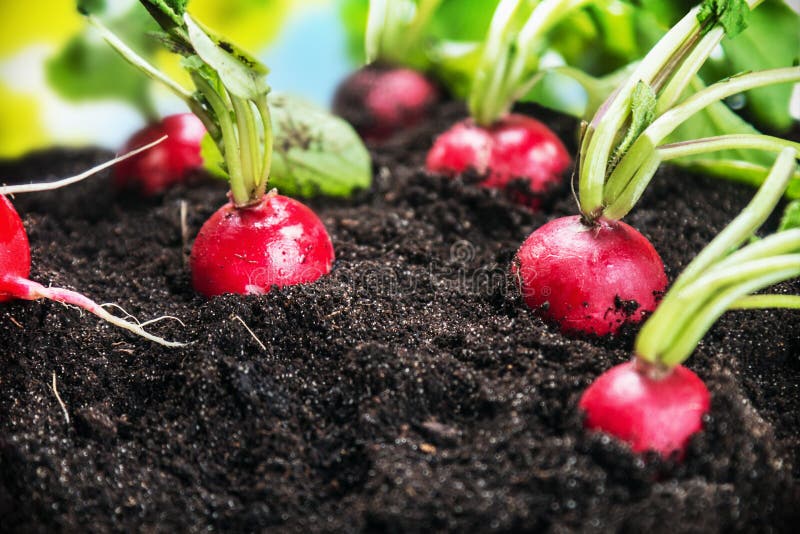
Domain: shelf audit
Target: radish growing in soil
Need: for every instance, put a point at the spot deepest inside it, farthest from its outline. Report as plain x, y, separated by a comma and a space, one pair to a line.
513, 153
592, 273
258, 239
653, 402
156, 170
389, 94
15, 258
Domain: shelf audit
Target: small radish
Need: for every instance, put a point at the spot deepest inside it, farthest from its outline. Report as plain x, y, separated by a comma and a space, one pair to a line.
381, 101
15, 261
653, 402
513, 153
514, 148
390, 94
257, 240
156, 170
589, 278
282, 237
646, 411
592, 274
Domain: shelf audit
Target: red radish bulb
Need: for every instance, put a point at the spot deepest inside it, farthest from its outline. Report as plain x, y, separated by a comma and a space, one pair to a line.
247, 250
514, 148
657, 413
589, 279
156, 170
15, 267
15, 252
379, 101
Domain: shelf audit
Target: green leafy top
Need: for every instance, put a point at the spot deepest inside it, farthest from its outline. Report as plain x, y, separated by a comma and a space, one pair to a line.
615, 169
231, 101
509, 60
725, 275
395, 29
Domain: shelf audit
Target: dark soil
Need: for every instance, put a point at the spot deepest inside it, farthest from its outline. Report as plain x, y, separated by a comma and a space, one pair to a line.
410, 390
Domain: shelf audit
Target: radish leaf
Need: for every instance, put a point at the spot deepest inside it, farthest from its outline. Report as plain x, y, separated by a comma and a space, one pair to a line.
315, 152
731, 14
241, 74
791, 217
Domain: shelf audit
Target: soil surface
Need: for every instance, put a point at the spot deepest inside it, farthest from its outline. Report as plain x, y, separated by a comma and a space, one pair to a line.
410, 390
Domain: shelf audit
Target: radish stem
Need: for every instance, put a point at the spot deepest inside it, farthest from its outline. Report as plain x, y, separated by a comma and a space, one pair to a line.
719, 278
724, 142
756, 302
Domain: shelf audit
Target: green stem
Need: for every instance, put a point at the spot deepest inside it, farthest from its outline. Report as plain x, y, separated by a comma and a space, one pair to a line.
678, 55
266, 163
724, 142
248, 142
630, 195
623, 177
688, 69
153, 73
786, 242
508, 66
493, 63
760, 302
741, 171
669, 121
599, 142
747, 222
231, 152
687, 340
685, 306
711, 282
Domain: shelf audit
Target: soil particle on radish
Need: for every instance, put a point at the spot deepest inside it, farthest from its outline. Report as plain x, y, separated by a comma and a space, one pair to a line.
328, 428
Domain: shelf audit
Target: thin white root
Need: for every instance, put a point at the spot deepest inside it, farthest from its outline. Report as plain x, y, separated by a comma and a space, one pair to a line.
263, 347
134, 328
49, 186
184, 223
137, 321
163, 318
23, 288
58, 398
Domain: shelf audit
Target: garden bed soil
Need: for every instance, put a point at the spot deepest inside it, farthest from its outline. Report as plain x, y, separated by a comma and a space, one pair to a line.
410, 390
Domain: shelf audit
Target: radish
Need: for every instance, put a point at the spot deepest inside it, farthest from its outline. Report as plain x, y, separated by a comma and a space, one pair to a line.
281, 235
381, 101
15, 260
390, 94
653, 402
156, 170
590, 279
646, 411
257, 240
514, 147
592, 274
512, 153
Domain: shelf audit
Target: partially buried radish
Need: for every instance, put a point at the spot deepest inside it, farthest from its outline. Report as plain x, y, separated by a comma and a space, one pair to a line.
15, 262
653, 402
589, 278
391, 93
380, 101
510, 152
282, 237
592, 274
170, 163
257, 240
516, 154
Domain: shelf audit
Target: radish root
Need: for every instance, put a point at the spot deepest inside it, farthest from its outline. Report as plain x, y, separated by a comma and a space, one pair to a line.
49, 186
25, 289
